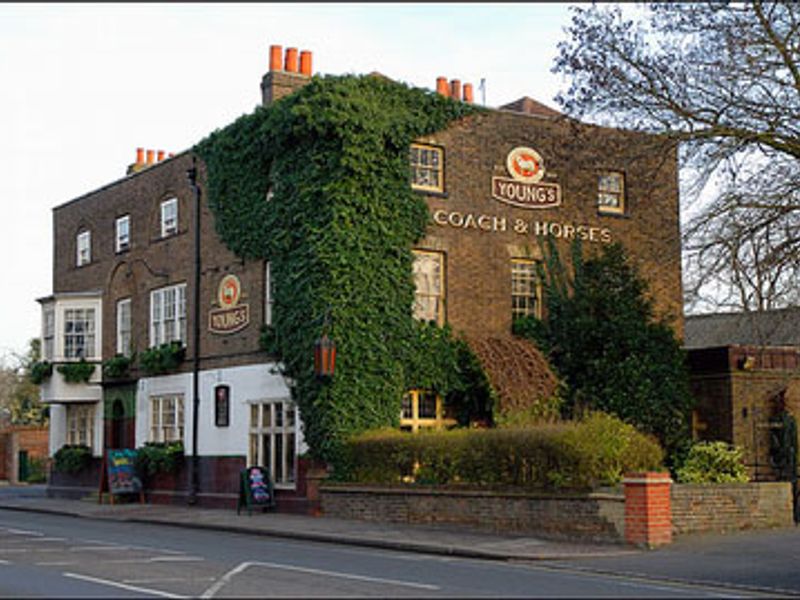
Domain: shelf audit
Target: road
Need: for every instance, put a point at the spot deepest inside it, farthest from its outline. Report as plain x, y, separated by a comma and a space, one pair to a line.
57, 556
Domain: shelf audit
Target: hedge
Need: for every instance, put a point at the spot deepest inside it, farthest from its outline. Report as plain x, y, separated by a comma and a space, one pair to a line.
573, 455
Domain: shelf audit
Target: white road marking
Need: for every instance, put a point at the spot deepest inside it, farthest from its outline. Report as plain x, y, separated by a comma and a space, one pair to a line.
161, 550
57, 563
96, 548
123, 586
153, 559
5, 562
13, 531
211, 591
168, 579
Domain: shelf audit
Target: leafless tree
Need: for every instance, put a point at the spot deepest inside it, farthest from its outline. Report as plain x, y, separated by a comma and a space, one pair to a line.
722, 80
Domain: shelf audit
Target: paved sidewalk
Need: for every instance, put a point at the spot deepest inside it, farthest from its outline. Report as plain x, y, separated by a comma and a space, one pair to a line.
413, 538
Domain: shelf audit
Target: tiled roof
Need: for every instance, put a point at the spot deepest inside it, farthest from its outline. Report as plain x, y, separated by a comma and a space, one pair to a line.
532, 107
762, 328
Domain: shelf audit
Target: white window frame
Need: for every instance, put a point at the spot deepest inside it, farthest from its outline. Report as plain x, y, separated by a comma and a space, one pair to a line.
80, 329
611, 197
167, 418
269, 298
169, 217
83, 245
80, 424
426, 160
122, 233
168, 315
273, 439
48, 333
124, 345
422, 298
526, 289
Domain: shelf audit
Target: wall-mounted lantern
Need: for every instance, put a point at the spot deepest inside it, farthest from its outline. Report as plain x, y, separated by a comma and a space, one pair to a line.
324, 356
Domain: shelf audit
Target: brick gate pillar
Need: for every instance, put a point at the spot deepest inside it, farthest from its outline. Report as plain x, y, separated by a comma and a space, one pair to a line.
648, 512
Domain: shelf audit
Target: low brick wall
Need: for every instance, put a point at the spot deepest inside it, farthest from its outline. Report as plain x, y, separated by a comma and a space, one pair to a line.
598, 517
730, 507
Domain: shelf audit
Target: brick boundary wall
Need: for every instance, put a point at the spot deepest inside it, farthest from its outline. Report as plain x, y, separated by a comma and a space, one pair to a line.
595, 517
723, 507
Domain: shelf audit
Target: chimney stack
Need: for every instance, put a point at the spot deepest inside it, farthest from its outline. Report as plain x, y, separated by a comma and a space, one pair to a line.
442, 87
286, 73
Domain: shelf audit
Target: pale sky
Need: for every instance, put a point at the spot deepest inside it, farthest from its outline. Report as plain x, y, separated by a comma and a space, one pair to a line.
84, 85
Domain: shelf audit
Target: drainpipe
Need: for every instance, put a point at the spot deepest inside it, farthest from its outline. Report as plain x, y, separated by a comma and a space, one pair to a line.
194, 483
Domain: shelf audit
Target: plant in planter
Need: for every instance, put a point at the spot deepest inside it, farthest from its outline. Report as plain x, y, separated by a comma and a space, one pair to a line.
158, 457
77, 372
72, 458
163, 358
40, 370
117, 366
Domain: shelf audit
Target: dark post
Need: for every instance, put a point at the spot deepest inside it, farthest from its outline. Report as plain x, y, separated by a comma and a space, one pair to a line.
195, 485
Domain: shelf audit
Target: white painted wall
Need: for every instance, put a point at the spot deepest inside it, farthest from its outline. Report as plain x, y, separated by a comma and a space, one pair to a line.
247, 383
58, 428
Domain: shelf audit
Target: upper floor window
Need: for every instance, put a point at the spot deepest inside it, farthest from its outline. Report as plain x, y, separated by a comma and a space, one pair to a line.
169, 217
48, 334
268, 293
122, 231
124, 327
427, 168
168, 315
79, 329
611, 192
525, 289
83, 243
429, 282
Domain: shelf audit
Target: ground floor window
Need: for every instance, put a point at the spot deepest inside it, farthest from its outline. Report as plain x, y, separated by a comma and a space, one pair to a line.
166, 418
80, 424
424, 409
273, 434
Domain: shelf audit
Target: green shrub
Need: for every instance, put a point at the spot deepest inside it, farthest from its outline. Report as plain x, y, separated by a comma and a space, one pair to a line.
72, 459
713, 462
76, 372
40, 370
117, 366
162, 359
592, 452
158, 457
37, 470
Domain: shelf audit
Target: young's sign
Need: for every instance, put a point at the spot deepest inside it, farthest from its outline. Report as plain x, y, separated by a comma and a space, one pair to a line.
525, 189
231, 316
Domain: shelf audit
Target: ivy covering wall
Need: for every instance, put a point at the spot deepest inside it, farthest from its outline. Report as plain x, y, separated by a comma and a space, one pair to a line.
318, 183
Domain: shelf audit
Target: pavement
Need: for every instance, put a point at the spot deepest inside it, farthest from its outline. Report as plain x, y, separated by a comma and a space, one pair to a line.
441, 540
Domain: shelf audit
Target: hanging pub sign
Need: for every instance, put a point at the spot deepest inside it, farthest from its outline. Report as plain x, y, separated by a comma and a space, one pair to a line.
231, 316
525, 188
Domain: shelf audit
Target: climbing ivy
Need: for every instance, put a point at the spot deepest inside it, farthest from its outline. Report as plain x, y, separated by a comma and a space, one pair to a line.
318, 183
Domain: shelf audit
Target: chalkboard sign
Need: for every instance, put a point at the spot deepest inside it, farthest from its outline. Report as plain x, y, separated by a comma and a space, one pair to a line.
255, 489
118, 475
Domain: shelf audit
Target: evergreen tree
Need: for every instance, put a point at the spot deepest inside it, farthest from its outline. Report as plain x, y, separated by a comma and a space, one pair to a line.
601, 336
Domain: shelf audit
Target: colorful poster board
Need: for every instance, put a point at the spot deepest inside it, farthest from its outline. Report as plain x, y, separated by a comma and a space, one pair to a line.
118, 475
255, 489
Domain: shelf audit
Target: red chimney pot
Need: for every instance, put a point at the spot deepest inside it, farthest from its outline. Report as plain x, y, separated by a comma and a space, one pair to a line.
441, 86
160, 156
139, 156
149, 157
275, 56
467, 92
305, 62
455, 89
290, 65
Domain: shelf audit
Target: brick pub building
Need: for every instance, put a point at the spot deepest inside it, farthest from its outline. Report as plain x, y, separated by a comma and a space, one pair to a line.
496, 183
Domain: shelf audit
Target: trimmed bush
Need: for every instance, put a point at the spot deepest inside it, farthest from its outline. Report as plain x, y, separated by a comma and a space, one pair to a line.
584, 454
713, 462
72, 459
158, 457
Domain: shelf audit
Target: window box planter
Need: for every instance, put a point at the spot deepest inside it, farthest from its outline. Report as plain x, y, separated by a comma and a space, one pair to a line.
117, 366
163, 358
76, 372
40, 370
